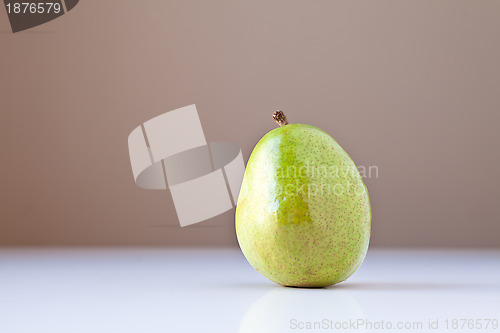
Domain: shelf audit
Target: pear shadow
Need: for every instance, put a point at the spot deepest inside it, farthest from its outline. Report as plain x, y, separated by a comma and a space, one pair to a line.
270, 285
280, 305
297, 287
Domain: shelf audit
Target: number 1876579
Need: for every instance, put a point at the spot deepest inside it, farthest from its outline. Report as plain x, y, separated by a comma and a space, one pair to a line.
33, 8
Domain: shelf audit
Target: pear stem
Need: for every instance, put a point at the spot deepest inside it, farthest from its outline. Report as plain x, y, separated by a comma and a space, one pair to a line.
280, 118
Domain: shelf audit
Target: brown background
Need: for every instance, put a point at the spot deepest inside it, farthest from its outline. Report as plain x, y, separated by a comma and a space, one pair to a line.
412, 87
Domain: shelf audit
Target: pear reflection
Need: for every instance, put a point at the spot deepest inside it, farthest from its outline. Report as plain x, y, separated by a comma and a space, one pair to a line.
291, 309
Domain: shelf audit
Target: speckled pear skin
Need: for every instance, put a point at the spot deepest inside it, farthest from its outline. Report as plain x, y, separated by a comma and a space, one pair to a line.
291, 232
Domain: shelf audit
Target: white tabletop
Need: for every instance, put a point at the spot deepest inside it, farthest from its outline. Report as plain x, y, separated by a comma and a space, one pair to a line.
216, 290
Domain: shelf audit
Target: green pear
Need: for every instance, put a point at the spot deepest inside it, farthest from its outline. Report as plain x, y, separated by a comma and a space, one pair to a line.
303, 216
